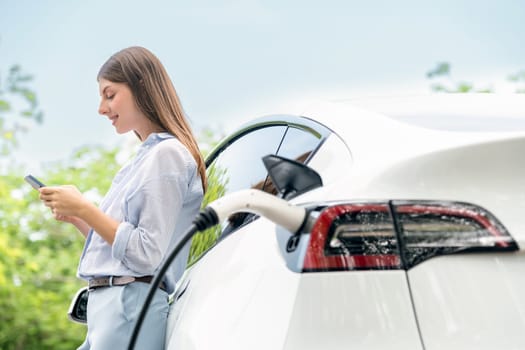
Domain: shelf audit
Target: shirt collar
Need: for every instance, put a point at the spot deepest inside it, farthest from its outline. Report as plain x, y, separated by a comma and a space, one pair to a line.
156, 137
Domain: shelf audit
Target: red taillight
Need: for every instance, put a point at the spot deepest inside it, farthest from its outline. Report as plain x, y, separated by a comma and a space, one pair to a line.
341, 230
400, 234
432, 228
460, 211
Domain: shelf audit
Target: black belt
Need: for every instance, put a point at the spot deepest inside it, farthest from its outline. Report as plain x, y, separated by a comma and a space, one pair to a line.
120, 281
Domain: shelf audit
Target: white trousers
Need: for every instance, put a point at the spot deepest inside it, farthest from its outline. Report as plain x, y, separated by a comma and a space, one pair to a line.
112, 313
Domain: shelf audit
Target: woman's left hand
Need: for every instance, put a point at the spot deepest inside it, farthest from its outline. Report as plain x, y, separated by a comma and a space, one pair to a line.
63, 200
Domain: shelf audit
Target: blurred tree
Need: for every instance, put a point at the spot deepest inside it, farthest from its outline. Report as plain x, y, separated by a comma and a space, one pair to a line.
39, 255
447, 84
18, 108
519, 79
201, 242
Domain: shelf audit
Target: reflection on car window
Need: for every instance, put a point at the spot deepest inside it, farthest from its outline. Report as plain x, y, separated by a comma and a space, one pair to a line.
241, 163
298, 144
239, 166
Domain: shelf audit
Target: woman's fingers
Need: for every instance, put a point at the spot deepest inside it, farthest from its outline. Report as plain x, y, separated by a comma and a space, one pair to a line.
50, 196
46, 193
65, 200
46, 190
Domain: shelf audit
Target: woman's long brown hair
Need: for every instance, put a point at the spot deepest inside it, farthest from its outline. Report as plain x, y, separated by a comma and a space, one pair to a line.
154, 95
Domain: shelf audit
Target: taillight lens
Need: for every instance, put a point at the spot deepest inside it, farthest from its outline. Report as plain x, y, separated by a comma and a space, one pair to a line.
399, 234
353, 237
439, 228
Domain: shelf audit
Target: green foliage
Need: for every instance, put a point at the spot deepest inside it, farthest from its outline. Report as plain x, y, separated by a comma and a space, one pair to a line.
519, 79
18, 108
441, 69
37, 272
442, 73
39, 255
203, 241
446, 83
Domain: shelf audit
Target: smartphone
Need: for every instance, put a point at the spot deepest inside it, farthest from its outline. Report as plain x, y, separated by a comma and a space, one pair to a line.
33, 181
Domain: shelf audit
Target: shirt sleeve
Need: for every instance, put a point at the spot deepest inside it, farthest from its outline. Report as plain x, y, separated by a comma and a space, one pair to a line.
151, 212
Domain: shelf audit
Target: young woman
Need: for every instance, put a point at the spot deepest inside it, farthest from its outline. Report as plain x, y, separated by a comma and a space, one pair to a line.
150, 203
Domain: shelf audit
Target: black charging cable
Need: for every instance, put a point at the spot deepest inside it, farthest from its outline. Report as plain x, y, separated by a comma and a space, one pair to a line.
206, 219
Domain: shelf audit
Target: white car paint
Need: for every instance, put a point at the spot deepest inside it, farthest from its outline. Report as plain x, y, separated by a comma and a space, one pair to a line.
471, 301
246, 292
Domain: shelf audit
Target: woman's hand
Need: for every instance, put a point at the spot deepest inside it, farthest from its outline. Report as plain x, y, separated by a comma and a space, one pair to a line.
67, 204
77, 222
65, 201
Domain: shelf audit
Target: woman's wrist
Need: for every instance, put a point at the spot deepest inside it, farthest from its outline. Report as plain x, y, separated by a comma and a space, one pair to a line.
104, 225
85, 211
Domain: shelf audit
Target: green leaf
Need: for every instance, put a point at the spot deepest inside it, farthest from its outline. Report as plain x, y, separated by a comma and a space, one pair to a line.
29, 95
464, 87
4, 106
27, 113
14, 69
517, 77
442, 68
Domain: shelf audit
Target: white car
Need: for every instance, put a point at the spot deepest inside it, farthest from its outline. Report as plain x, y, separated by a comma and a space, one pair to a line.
414, 240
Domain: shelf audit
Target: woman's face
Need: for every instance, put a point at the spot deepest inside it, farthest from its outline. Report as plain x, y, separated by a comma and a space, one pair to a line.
117, 103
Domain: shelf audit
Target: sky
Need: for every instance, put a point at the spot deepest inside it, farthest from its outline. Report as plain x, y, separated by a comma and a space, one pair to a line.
231, 61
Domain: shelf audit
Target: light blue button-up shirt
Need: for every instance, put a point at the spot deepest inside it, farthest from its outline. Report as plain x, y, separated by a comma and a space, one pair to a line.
155, 197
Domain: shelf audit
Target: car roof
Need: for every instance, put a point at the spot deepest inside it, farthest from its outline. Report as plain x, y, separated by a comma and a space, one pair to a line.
452, 112
404, 126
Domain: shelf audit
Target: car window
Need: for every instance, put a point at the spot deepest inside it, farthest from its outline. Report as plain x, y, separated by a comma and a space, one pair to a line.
238, 165
298, 144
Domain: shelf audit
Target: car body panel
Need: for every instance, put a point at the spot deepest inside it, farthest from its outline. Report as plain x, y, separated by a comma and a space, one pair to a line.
471, 301
366, 309
233, 293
